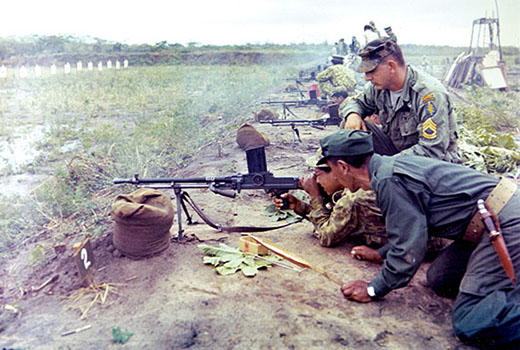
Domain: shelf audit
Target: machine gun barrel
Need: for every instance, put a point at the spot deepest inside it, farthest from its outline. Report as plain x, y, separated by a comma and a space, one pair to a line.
258, 178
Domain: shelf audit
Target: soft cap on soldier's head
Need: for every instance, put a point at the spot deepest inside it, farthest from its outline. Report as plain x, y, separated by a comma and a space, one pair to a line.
388, 29
340, 91
374, 52
337, 59
346, 143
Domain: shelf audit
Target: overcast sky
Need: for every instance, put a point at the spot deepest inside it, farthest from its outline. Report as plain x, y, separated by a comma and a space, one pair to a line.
438, 22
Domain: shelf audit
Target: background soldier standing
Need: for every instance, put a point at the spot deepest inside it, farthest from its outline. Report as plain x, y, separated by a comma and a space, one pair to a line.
391, 34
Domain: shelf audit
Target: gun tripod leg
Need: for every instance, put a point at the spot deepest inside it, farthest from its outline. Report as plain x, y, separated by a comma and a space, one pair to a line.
297, 133
179, 214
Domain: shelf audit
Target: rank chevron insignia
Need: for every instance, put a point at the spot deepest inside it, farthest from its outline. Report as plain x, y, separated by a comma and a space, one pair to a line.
429, 129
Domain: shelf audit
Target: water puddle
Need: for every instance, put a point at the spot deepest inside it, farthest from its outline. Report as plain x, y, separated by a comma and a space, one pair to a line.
16, 151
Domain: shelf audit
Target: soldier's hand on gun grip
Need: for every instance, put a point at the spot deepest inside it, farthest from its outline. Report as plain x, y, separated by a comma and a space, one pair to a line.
374, 118
294, 203
357, 291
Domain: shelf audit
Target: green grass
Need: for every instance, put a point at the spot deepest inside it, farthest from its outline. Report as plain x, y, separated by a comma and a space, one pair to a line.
101, 125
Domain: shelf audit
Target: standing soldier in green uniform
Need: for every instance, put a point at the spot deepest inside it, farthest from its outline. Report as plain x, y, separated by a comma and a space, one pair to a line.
422, 197
354, 46
390, 34
335, 76
375, 28
416, 113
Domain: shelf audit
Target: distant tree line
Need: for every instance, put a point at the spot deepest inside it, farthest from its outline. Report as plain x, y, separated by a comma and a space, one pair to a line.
37, 48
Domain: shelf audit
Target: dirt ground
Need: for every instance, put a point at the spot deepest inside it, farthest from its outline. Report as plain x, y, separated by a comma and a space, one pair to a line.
174, 301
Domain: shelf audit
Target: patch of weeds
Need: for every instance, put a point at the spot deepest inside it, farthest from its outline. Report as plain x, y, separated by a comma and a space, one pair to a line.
119, 336
18, 220
37, 254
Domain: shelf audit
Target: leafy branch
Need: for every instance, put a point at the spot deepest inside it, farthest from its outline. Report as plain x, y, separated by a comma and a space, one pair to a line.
228, 260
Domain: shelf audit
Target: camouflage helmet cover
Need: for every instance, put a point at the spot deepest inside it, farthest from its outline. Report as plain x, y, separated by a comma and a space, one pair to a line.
374, 52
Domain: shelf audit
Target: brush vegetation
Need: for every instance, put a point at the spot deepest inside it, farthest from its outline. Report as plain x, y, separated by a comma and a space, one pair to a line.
153, 120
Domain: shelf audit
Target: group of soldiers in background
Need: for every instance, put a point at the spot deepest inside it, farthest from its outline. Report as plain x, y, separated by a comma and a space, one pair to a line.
370, 32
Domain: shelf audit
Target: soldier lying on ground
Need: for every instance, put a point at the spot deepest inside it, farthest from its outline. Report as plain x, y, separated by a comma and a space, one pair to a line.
422, 197
338, 215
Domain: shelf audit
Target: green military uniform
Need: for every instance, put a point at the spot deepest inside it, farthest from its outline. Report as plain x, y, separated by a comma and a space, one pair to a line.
423, 121
391, 34
422, 197
420, 119
354, 215
335, 76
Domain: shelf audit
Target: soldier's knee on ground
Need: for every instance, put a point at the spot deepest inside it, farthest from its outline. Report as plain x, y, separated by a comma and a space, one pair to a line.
443, 285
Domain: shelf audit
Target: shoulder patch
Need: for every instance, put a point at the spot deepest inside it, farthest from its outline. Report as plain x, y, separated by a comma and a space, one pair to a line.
429, 129
430, 109
427, 98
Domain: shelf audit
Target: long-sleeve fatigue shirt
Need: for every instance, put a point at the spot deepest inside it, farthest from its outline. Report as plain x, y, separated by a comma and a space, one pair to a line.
423, 121
352, 214
335, 76
419, 197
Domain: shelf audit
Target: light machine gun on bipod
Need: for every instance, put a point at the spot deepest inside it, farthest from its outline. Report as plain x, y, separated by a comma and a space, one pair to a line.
333, 119
286, 104
257, 178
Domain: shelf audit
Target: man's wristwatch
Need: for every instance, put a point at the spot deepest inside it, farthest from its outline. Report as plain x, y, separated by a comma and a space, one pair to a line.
371, 291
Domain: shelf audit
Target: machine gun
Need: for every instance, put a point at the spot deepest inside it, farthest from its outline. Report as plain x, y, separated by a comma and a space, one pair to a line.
296, 103
333, 119
258, 178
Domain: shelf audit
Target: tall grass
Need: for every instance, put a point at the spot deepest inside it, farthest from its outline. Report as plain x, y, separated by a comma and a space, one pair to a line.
101, 125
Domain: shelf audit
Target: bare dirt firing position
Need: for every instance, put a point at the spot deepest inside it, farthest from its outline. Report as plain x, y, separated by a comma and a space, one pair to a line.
173, 301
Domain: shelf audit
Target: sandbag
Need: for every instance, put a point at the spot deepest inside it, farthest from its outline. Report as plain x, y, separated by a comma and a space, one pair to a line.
248, 137
143, 220
265, 114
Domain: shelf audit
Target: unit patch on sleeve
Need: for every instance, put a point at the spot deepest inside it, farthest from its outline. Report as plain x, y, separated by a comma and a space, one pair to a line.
430, 109
429, 129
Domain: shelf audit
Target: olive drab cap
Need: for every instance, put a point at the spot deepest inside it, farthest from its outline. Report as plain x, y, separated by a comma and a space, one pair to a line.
337, 59
346, 143
374, 52
340, 91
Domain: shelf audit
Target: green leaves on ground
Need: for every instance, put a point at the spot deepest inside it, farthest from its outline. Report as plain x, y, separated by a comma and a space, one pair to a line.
277, 215
228, 260
119, 336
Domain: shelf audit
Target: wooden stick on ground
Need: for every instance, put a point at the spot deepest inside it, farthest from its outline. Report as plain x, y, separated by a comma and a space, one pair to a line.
295, 259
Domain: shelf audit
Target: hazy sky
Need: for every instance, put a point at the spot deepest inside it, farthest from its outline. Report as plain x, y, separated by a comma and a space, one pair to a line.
438, 22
